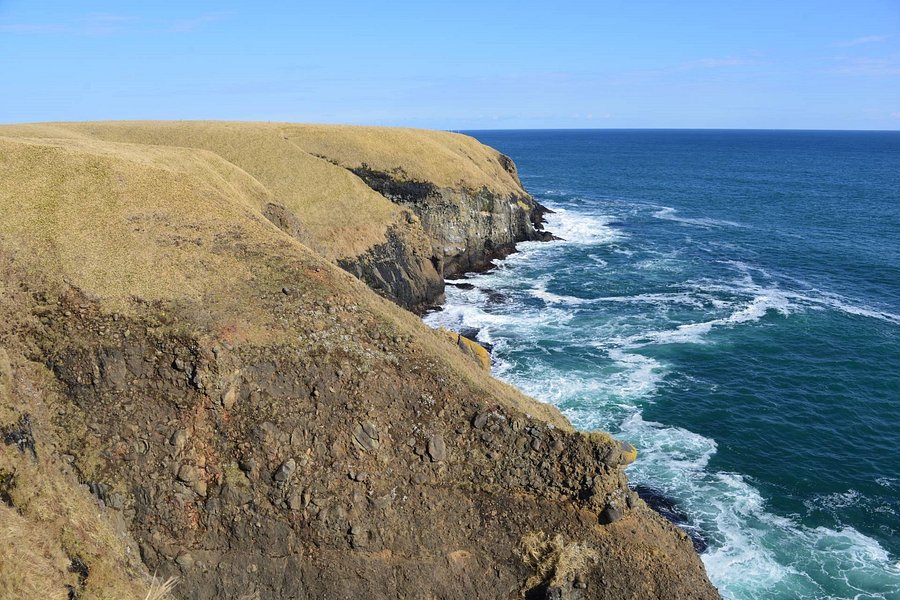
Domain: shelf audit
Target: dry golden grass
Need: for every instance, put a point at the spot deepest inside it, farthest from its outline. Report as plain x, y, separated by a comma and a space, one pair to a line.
443, 158
341, 216
124, 221
32, 563
161, 590
552, 560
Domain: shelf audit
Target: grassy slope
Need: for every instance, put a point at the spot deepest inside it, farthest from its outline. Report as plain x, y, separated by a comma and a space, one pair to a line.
443, 158
341, 216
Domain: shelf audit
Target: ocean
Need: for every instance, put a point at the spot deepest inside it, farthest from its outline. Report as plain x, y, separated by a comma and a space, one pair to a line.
728, 302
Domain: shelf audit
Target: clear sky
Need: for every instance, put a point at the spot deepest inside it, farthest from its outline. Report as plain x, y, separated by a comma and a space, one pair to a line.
821, 64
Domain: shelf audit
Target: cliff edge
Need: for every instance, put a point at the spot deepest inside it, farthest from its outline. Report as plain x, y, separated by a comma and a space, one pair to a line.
191, 386
401, 209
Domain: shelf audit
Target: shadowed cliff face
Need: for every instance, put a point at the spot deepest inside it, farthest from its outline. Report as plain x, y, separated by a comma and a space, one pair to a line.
401, 269
214, 397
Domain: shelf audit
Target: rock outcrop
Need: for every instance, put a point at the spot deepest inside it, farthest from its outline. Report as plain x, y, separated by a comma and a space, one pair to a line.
190, 386
469, 228
478, 353
468, 196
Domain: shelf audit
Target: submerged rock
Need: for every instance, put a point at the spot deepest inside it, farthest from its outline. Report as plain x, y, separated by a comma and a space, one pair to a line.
668, 508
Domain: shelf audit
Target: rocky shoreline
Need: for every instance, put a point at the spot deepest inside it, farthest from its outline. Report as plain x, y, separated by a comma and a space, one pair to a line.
192, 385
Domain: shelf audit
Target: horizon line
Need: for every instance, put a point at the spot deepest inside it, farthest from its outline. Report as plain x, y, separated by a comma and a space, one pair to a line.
462, 129
809, 129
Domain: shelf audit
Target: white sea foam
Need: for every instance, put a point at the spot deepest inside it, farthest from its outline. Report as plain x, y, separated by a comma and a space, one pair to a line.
540, 291
841, 304
592, 399
747, 270
693, 333
805, 294
838, 501
808, 298
667, 213
835, 501
659, 264
622, 250
462, 316
751, 548
579, 228
598, 260
641, 374
663, 299
468, 309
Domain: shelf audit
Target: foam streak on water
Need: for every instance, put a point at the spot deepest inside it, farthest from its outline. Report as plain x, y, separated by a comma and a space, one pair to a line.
646, 310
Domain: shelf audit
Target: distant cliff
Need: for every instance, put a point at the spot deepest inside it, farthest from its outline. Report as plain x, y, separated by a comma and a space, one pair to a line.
399, 208
190, 386
467, 196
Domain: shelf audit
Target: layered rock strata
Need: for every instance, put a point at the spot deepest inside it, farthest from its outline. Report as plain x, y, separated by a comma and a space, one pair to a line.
469, 228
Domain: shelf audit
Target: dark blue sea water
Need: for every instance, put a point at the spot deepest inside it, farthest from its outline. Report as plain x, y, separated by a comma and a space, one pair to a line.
729, 302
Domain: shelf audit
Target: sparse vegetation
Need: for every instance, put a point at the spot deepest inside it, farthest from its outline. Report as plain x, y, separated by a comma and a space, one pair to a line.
553, 561
161, 590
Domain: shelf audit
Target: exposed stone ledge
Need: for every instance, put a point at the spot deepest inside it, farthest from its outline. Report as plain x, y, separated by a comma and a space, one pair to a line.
468, 228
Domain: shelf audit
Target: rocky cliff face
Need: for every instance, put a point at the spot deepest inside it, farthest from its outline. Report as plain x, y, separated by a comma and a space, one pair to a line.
468, 228
403, 268
186, 389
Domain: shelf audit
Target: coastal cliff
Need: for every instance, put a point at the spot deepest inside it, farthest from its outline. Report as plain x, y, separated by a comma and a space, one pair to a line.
467, 196
401, 209
193, 385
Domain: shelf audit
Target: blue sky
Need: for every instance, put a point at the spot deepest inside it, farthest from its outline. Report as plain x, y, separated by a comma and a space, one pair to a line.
807, 64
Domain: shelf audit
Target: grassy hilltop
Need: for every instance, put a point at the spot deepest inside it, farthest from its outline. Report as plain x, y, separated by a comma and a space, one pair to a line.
192, 386
303, 167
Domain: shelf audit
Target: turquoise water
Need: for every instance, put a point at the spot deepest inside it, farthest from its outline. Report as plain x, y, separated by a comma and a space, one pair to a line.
729, 302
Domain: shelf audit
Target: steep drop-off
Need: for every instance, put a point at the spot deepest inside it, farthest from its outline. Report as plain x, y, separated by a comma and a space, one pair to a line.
190, 388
